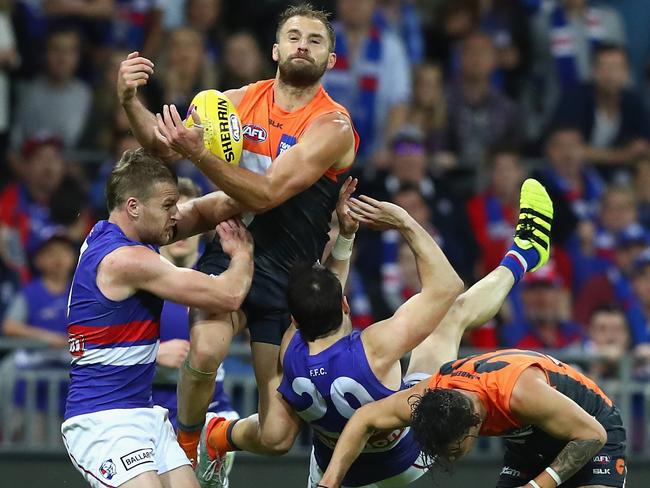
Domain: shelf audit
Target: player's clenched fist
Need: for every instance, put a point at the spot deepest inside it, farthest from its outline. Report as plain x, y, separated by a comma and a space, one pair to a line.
134, 72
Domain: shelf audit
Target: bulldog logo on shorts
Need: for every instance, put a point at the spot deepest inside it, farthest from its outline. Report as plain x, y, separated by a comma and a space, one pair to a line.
107, 469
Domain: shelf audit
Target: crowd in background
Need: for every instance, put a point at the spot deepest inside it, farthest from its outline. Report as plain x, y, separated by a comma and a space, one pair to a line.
456, 102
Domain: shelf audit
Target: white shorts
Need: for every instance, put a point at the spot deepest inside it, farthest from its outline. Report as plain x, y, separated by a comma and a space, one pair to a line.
404, 478
113, 446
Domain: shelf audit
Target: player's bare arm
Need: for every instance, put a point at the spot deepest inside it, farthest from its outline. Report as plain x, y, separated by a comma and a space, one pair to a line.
202, 214
128, 269
328, 142
535, 402
393, 412
135, 72
387, 341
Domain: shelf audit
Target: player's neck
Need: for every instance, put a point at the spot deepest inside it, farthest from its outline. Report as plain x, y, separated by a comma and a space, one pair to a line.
124, 223
290, 98
477, 404
319, 345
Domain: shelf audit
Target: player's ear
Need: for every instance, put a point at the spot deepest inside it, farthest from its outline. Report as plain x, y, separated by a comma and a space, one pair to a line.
345, 305
274, 53
331, 60
132, 207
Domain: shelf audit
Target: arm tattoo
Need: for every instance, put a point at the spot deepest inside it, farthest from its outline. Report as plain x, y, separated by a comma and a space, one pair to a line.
574, 456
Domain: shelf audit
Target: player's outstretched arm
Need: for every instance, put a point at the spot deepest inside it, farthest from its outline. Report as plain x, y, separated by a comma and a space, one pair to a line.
535, 402
389, 340
338, 261
138, 268
327, 141
392, 412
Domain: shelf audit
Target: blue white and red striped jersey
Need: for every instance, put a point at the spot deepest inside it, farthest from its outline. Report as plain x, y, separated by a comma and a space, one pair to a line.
113, 343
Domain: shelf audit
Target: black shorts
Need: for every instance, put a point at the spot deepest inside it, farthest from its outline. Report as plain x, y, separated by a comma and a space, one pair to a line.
266, 309
525, 458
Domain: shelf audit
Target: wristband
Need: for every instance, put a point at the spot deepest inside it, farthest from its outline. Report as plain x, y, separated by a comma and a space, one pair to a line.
534, 484
553, 474
342, 249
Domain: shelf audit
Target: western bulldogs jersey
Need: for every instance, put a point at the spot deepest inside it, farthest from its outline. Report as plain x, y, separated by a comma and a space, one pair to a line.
113, 344
325, 390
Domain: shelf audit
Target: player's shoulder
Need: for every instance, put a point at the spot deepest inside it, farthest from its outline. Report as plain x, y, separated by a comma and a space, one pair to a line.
128, 260
527, 386
236, 95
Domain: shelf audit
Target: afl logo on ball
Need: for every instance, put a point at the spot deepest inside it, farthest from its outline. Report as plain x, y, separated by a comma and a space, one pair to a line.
255, 133
235, 129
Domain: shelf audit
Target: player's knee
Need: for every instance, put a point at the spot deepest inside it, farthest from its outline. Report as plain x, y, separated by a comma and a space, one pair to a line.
204, 357
277, 445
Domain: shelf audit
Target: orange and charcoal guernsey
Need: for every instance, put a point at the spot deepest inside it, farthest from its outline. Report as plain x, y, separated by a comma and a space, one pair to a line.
297, 229
492, 376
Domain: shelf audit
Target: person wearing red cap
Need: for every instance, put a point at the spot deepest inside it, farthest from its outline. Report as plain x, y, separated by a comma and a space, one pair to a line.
544, 320
25, 204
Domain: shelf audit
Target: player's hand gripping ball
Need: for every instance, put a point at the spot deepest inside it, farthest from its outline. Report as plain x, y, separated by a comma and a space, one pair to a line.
222, 134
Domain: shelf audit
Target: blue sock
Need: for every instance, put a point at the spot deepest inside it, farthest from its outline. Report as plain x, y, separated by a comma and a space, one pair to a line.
519, 260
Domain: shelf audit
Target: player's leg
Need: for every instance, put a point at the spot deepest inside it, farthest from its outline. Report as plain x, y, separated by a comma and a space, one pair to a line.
471, 309
530, 251
210, 338
148, 479
181, 477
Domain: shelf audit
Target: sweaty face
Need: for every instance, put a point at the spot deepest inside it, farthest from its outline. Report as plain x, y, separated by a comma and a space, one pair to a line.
157, 214
302, 52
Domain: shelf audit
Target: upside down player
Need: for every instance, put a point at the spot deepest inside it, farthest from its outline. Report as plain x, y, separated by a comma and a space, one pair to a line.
330, 370
297, 144
559, 426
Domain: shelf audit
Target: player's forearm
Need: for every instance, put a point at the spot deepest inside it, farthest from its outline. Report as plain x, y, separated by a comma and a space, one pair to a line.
238, 278
484, 299
250, 189
348, 447
575, 455
435, 272
142, 123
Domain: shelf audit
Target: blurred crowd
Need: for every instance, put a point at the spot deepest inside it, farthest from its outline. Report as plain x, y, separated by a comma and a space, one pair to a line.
456, 102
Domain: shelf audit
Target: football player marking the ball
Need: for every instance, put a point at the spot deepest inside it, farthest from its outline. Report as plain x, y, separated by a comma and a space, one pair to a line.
297, 144
112, 432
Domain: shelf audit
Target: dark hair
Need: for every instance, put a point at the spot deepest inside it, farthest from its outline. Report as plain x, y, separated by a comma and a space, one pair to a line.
308, 10
561, 127
135, 175
500, 148
606, 48
187, 188
61, 30
438, 417
314, 295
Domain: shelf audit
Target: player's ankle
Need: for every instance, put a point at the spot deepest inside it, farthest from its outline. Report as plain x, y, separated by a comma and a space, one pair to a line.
519, 260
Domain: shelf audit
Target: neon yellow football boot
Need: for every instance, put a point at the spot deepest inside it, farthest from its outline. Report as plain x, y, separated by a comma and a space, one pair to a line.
535, 220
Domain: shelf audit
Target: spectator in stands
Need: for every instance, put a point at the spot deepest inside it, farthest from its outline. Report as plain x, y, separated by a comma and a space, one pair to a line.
608, 335
574, 188
25, 204
137, 26
98, 131
641, 281
612, 118
184, 71
8, 61
613, 285
371, 77
428, 112
565, 36
39, 313
9, 278
203, 16
545, 322
642, 191
243, 62
403, 20
493, 213
55, 101
479, 116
